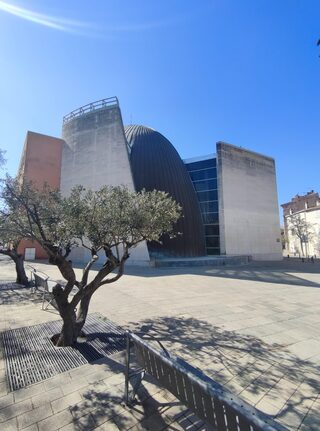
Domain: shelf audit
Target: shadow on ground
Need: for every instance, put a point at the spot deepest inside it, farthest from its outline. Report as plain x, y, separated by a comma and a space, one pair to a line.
13, 294
261, 275
288, 271
244, 364
105, 405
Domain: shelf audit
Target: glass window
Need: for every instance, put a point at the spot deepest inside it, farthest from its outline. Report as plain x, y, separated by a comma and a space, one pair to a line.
203, 175
205, 185
211, 251
210, 218
211, 195
202, 164
212, 241
211, 230
209, 207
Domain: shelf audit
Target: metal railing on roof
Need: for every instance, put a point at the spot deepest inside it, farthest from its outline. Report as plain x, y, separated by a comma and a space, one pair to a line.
99, 104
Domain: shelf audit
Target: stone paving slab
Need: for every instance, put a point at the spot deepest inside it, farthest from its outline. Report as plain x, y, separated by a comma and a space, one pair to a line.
254, 329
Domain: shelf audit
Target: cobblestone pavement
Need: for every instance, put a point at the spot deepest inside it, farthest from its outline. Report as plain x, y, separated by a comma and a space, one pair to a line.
253, 328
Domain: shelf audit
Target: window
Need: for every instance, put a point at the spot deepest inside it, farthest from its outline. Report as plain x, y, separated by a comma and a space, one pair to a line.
212, 241
205, 185
208, 218
203, 175
209, 207
202, 164
211, 195
212, 230
211, 251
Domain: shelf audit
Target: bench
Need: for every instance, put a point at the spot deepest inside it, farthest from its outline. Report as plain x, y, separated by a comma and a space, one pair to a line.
206, 398
44, 285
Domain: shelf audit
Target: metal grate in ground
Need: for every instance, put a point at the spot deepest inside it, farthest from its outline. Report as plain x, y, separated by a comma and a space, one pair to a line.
31, 357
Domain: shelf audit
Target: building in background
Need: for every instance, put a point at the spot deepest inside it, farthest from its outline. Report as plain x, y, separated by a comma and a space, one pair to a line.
203, 174
248, 203
95, 153
40, 165
228, 199
302, 225
155, 164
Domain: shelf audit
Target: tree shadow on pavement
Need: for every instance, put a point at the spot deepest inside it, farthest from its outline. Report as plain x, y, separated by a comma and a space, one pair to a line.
262, 275
10, 294
265, 375
155, 408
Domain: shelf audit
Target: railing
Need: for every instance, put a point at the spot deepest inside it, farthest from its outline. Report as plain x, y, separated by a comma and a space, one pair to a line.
99, 104
210, 401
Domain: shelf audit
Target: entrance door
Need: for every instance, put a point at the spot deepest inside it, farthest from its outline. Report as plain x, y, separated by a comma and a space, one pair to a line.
30, 253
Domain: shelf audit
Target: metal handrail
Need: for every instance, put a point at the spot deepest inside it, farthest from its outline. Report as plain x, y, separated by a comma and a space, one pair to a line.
238, 413
99, 104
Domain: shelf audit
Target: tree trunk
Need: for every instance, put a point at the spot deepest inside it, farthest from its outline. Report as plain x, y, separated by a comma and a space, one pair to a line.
83, 312
21, 274
68, 335
72, 324
19, 263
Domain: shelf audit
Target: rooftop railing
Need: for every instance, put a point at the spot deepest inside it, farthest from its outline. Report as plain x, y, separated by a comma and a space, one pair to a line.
99, 104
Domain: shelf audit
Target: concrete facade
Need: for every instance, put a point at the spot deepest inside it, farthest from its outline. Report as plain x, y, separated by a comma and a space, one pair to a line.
236, 190
95, 151
248, 204
95, 154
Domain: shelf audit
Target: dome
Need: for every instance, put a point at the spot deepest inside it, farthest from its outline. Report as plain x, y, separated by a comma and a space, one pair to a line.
156, 164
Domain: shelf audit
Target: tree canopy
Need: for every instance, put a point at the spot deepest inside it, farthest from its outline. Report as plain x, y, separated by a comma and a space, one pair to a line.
108, 222
110, 218
300, 228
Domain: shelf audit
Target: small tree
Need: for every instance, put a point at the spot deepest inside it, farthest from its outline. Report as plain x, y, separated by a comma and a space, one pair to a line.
9, 247
108, 222
9, 240
301, 229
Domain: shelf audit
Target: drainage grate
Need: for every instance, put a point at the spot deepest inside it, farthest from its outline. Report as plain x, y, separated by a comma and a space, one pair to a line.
31, 357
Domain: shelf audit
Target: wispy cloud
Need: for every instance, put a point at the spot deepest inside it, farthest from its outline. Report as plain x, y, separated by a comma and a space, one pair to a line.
87, 29
57, 23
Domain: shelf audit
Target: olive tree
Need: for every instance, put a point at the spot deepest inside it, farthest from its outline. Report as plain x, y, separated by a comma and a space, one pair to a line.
10, 239
108, 222
300, 229
9, 247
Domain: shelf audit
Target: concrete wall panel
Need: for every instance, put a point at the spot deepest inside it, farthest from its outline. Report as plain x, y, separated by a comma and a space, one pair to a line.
94, 155
248, 204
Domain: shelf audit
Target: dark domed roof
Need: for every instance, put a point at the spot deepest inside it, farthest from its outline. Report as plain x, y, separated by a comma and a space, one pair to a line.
156, 164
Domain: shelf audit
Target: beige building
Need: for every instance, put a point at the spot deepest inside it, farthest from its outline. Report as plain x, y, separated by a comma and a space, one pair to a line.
229, 199
302, 225
248, 203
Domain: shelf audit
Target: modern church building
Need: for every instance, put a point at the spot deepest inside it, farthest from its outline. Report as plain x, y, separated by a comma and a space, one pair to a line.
229, 199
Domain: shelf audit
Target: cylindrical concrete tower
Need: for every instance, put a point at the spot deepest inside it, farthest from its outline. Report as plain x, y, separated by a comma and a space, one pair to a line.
95, 154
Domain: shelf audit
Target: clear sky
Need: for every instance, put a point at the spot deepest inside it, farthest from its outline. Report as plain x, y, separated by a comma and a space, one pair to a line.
246, 72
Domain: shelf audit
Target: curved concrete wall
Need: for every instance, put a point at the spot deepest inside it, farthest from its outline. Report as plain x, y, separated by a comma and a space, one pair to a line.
157, 165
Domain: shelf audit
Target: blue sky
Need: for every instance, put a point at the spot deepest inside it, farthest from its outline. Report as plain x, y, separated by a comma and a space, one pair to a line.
244, 72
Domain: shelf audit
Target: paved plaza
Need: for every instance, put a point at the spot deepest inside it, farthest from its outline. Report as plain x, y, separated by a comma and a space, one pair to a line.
252, 328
